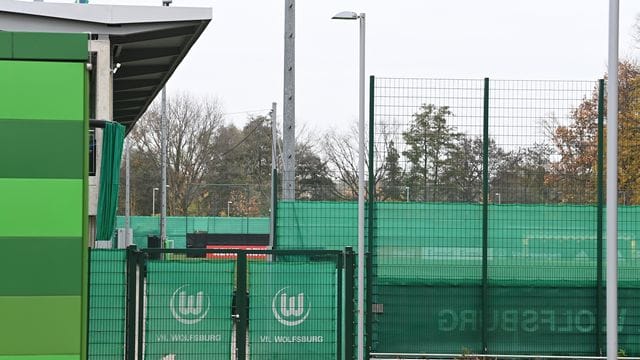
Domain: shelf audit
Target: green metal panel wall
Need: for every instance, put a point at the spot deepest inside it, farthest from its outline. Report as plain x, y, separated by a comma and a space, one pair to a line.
43, 214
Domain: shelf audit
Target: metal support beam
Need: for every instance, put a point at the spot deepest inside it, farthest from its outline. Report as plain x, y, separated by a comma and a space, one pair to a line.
289, 111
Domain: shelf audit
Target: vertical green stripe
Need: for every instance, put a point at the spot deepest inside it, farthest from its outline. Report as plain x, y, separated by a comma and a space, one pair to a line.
41, 149
6, 45
50, 46
39, 325
40, 266
41, 208
34, 90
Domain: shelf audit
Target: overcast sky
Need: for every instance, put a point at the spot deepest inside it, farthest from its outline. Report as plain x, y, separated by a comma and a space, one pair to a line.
239, 58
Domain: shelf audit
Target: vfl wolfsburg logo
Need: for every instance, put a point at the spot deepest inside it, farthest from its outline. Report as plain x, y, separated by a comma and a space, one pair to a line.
188, 309
290, 311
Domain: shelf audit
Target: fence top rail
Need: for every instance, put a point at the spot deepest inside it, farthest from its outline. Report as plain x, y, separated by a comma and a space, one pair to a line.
396, 356
242, 251
492, 79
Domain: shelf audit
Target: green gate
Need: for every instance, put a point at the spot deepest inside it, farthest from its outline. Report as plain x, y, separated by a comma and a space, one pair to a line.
240, 304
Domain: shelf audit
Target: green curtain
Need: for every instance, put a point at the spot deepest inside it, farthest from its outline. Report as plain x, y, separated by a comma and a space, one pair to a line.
112, 142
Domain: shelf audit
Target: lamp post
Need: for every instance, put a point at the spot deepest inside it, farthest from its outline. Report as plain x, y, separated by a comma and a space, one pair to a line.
350, 15
153, 202
229, 207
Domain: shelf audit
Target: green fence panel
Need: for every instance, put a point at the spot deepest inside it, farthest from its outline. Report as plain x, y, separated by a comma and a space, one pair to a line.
322, 225
178, 226
522, 320
427, 319
292, 312
188, 311
107, 301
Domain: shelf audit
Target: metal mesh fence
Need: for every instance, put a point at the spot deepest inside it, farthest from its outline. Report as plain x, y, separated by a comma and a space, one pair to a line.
496, 243
486, 217
107, 309
229, 304
294, 310
188, 309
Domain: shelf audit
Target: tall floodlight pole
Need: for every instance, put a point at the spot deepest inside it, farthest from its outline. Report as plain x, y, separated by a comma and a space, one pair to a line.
289, 102
612, 183
163, 187
163, 145
350, 15
127, 193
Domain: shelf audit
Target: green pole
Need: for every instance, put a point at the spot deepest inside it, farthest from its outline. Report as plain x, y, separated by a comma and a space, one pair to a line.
370, 223
141, 266
241, 306
339, 268
485, 214
130, 330
600, 186
274, 206
349, 306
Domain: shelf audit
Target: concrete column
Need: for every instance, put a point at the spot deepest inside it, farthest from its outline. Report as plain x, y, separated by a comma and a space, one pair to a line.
103, 111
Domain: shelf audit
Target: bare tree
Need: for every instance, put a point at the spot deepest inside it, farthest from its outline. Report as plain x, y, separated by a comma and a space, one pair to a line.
193, 124
341, 150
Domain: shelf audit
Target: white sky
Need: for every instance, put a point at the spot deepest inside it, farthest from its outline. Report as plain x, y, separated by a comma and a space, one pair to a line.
239, 58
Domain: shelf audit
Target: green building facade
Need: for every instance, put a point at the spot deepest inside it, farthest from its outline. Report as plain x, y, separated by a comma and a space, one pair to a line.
43, 191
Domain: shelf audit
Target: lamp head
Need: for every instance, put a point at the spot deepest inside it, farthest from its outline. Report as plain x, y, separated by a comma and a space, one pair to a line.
346, 15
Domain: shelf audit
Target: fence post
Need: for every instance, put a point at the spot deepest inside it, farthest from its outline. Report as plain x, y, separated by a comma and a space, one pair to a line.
349, 306
600, 184
485, 215
274, 209
370, 224
241, 306
339, 268
141, 264
130, 317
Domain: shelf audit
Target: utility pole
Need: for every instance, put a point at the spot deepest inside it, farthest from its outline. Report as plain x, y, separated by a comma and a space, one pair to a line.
127, 193
289, 111
274, 165
163, 140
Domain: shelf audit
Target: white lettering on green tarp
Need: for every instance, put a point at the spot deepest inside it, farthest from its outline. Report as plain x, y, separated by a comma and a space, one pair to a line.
292, 339
513, 320
293, 309
186, 314
173, 337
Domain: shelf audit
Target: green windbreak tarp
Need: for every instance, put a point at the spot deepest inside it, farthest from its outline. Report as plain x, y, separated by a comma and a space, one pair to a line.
112, 141
292, 312
530, 320
188, 312
427, 243
178, 226
108, 288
